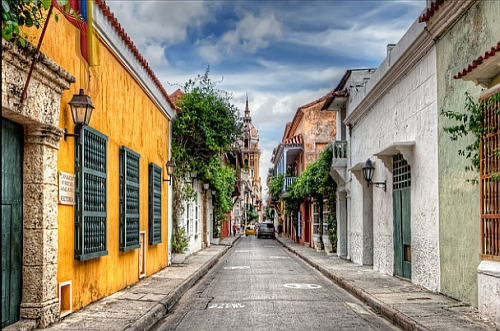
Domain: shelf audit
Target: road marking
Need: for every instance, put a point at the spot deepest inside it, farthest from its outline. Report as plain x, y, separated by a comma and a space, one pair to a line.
237, 267
279, 257
244, 251
226, 306
303, 286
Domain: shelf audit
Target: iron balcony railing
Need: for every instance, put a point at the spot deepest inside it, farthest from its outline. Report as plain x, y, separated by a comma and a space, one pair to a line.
340, 149
288, 181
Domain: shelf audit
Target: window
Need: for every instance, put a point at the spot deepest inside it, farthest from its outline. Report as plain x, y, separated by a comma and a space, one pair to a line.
489, 187
129, 199
197, 221
154, 204
91, 195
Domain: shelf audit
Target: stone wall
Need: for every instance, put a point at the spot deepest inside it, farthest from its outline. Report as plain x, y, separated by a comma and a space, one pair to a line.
39, 115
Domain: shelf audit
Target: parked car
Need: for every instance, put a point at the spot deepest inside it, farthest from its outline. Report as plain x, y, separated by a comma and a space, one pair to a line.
250, 230
266, 229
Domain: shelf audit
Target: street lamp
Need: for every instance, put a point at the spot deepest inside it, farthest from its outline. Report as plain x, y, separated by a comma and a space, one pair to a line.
368, 170
81, 111
170, 165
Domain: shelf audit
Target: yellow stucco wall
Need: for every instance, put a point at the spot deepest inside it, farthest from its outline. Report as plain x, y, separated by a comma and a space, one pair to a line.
129, 117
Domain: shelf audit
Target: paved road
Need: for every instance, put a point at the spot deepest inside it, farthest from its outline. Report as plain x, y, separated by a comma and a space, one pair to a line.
259, 285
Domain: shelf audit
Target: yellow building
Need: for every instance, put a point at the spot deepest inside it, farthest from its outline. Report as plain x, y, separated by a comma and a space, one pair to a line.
89, 214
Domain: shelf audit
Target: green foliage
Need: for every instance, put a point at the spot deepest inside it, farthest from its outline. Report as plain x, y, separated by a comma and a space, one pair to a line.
17, 14
203, 133
472, 122
251, 214
276, 186
270, 212
180, 242
313, 181
207, 125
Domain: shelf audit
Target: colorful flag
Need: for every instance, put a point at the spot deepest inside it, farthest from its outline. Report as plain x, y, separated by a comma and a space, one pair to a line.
80, 15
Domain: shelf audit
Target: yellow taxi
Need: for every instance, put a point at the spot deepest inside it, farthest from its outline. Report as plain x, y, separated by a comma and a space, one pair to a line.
250, 230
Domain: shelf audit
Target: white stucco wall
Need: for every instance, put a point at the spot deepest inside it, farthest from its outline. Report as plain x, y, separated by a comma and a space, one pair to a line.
406, 111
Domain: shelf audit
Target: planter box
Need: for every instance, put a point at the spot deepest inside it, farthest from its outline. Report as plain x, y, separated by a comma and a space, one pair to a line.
178, 258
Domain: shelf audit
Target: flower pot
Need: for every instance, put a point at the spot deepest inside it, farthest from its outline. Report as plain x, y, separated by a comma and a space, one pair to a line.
178, 258
216, 241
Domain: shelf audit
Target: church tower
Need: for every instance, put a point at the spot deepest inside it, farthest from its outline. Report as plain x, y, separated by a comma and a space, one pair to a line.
249, 147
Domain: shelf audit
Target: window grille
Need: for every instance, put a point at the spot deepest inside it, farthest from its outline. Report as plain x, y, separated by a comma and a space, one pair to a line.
129, 199
154, 202
489, 187
401, 172
91, 195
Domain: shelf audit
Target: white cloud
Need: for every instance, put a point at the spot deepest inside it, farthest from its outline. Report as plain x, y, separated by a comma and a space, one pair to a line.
250, 34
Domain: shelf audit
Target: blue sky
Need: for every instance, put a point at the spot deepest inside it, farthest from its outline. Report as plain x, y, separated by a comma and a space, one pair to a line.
282, 54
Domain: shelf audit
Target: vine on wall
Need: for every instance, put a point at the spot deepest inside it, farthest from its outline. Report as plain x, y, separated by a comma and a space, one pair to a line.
472, 121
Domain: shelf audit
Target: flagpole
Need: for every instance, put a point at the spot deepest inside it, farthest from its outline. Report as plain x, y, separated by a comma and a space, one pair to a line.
35, 56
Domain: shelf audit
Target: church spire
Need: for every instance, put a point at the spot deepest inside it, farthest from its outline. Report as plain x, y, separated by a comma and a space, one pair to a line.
247, 112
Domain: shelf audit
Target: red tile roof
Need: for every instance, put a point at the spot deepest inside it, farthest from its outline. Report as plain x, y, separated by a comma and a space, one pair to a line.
430, 11
130, 44
477, 62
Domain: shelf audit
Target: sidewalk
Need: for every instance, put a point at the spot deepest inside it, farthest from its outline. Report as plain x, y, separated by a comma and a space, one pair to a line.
139, 306
399, 301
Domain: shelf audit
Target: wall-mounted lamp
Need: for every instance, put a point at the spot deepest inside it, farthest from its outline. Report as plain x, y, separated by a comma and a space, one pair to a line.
368, 174
193, 175
214, 192
206, 186
170, 165
81, 110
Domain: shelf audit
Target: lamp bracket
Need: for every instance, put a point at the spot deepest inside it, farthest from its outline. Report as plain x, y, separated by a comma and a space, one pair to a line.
67, 134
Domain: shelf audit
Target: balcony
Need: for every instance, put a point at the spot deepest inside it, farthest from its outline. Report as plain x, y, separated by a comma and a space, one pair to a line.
288, 181
338, 169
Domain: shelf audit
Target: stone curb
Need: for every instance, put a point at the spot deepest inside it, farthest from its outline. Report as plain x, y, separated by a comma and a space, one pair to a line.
161, 309
394, 316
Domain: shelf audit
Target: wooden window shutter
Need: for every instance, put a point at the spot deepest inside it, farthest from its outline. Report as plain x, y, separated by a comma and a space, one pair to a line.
154, 203
91, 195
129, 199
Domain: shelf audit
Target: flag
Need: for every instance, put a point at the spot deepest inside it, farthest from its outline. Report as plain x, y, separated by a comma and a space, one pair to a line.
83, 21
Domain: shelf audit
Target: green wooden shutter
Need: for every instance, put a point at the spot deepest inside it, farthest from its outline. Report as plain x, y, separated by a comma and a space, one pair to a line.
129, 199
154, 204
91, 195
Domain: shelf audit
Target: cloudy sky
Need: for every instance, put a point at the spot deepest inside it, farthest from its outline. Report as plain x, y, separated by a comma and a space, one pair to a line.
282, 54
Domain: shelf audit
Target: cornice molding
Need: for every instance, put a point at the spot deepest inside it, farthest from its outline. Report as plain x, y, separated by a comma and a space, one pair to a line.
417, 49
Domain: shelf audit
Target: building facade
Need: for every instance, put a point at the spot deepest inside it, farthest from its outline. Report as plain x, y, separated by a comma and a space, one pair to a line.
304, 138
89, 214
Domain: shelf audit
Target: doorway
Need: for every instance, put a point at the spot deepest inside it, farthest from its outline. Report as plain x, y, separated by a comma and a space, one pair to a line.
12, 220
402, 216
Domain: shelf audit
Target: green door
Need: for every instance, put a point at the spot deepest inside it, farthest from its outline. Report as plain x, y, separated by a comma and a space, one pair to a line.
12, 149
402, 217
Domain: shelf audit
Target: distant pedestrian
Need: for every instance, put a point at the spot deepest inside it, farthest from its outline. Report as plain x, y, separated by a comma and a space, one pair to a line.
234, 230
280, 229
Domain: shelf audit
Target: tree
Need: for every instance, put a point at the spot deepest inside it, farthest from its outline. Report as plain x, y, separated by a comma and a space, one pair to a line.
206, 128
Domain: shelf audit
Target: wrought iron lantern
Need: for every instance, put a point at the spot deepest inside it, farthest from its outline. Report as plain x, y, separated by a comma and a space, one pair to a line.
81, 111
368, 170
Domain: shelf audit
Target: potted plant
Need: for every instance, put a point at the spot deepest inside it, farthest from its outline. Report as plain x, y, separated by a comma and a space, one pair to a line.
180, 244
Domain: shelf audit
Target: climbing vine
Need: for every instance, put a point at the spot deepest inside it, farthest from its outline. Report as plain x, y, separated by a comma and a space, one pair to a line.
472, 121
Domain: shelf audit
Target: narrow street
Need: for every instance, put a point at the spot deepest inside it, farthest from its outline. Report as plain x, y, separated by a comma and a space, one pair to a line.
259, 285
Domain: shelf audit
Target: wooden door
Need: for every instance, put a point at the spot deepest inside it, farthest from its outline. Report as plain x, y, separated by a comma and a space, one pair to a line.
12, 218
402, 217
